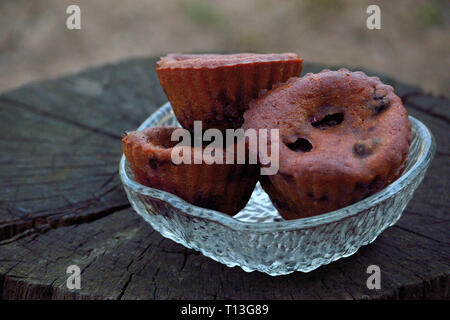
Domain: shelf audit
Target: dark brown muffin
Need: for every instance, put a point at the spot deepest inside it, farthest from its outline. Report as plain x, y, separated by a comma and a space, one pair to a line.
223, 187
216, 89
343, 137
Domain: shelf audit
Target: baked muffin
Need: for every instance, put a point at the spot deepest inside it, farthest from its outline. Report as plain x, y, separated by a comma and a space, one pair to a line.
216, 89
223, 187
343, 136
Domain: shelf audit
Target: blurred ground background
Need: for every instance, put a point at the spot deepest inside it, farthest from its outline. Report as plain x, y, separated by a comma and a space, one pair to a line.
413, 43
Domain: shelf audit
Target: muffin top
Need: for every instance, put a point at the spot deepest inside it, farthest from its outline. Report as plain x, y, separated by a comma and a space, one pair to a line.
220, 60
339, 124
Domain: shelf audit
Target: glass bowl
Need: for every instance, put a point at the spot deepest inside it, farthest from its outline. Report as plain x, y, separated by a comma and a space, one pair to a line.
257, 238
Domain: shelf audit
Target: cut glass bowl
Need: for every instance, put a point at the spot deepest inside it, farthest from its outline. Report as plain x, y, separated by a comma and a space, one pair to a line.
257, 238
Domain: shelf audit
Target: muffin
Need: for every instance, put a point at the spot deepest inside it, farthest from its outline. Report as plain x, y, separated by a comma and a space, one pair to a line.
216, 89
223, 187
343, 136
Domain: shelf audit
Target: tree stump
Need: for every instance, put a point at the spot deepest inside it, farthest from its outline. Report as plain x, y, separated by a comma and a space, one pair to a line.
62, 204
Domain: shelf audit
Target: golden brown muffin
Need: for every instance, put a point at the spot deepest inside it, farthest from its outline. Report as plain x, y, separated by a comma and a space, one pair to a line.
216, 89
223, 187
343, 136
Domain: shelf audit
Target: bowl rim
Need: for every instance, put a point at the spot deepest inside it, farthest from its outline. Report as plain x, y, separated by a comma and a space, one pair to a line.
426, 155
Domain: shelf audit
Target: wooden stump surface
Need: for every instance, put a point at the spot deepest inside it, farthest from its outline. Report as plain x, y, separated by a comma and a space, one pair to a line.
62, 203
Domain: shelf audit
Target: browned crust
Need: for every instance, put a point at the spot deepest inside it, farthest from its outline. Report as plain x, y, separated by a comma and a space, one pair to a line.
216, 89
223, 187
331, 175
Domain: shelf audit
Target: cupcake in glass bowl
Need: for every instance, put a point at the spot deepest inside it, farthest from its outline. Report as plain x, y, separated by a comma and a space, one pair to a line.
201, 180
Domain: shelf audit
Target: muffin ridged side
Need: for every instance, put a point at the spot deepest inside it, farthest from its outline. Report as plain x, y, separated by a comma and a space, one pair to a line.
222, 187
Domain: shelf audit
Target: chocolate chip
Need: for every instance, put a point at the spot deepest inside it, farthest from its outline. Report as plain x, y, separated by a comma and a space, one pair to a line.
369, 188
280, 205
223, 97
153, 163
379, 95
300, 145
359, 185
313, 197
379, 105
328, 121
376, 184
207, 200
360, 150
379, 92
